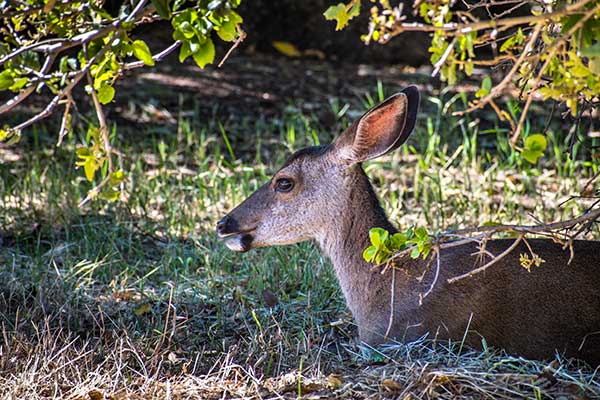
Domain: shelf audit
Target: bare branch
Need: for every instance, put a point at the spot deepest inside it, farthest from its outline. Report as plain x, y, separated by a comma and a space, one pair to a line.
12, 103
588, 216
240, 39
489, 264
157, 57
444, 57
393, 291
436, 250
496, 90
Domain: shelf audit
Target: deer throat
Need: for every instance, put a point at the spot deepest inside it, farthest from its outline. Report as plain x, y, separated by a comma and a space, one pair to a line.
366, 290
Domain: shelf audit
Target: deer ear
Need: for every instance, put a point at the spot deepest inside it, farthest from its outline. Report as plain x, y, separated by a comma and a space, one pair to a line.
381, 129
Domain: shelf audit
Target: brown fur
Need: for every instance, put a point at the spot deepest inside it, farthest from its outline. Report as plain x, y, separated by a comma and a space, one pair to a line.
553, 308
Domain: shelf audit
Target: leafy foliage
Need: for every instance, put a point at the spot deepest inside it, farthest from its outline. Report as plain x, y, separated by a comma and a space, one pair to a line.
342, 13
534, 147
52, 46
554, 49
383, 245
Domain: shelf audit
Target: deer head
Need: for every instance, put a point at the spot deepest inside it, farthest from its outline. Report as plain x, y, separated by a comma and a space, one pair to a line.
311, 189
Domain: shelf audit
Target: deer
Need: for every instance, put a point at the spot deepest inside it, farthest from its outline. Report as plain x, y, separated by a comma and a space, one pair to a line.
322, 193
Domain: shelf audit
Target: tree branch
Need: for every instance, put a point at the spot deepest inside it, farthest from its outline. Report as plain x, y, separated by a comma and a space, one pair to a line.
157, 57
12, 103
453, 28
496, 90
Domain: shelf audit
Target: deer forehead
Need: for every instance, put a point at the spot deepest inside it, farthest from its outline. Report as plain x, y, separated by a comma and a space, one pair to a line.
309, 162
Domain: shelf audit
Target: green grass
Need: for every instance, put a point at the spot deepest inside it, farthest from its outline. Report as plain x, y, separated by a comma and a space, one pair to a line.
139, 298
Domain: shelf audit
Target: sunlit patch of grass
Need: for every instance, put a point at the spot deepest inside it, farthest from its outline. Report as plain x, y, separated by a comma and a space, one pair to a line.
140, 298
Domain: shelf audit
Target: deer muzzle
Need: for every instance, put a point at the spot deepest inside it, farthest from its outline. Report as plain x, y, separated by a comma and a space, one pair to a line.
236, 239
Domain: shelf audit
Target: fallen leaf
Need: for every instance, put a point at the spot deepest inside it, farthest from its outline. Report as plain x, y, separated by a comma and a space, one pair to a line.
287, 49
334, 381
391, 385
95, 395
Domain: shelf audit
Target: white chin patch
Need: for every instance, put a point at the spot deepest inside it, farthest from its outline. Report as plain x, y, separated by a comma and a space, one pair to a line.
235, 243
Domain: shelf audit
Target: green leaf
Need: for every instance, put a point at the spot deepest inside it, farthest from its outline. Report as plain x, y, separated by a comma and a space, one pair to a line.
398, 240
142, 52
185, 51
531, 156
510, 42
6, 79
469, 66
536, 142
83, 152
354, 10
486, 87
382, 256
378, 237
110, 194
116, 178
105, 93
535, 145
421, 233
90, 166
426, 251
187, 29
162, 8
415, 252
339, 14
227, 31
205, 54
370, 253
18, 84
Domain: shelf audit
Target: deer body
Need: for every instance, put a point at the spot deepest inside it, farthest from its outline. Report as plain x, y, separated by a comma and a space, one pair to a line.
322, 193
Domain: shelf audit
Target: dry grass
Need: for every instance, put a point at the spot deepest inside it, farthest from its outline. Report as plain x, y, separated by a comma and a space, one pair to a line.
64, 366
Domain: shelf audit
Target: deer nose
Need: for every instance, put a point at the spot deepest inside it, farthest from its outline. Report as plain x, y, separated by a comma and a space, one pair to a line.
226, 226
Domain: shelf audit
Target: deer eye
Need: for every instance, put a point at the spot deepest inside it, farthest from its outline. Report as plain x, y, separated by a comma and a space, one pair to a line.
284, 185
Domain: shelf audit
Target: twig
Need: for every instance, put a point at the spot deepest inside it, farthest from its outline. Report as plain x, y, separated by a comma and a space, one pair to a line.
489, 264
240, 39
64, 92
392, 290
10, 104
436, 250
64, 124
444, 57
496, 90
483, 233
590, 181
157, 57
94, 191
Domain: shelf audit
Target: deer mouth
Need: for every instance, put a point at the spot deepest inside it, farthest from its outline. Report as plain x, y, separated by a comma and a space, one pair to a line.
236, 238
240, 242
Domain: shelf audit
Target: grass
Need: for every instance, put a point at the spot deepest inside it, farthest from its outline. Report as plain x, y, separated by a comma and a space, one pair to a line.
138, 299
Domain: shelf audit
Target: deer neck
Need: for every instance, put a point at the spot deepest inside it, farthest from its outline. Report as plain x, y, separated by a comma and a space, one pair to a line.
343, 241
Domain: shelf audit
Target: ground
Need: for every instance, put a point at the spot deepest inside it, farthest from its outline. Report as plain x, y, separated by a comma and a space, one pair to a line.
138, 298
